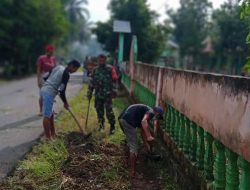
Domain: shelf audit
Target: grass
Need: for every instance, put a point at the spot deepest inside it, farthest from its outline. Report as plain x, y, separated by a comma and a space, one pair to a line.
111, 173
46, 159
41, 169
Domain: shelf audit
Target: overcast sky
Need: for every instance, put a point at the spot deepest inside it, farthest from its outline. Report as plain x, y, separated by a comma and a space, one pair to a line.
98, 8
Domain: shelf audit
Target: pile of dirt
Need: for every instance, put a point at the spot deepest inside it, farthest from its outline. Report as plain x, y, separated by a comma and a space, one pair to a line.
93, 166
96, 166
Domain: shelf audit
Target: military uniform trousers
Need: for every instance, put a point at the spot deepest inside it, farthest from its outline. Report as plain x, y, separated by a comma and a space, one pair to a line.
100, 105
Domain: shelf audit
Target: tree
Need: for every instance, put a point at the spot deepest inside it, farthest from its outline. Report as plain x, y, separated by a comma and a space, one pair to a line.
78, 16
151, 36
245, 13
231, 32
190, 26
26, 27
76, 11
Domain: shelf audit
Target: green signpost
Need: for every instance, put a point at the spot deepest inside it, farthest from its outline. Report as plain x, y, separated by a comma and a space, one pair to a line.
121, 27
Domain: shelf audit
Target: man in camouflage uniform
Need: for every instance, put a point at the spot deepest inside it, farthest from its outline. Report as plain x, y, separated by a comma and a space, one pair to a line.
103, 82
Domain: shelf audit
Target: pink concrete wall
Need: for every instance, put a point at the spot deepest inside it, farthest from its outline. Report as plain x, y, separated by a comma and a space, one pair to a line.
147, 76
219, 104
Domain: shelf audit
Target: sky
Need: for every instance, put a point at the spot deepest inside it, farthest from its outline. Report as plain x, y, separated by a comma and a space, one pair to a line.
98, 8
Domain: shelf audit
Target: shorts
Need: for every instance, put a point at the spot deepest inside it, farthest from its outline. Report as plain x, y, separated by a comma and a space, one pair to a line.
48, 101
131, 135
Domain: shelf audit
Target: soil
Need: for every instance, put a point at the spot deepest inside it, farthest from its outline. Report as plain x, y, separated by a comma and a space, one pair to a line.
93, 165
85, 168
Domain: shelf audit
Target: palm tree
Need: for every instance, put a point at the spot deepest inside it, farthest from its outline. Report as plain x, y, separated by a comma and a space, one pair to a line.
78, 16
76, 11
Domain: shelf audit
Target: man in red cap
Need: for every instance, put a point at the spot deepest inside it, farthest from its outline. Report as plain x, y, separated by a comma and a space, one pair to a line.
45, 63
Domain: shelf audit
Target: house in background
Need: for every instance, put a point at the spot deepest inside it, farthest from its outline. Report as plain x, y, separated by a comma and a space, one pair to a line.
170, 56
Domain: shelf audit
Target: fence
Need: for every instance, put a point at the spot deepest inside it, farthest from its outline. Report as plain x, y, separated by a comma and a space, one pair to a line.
207, 118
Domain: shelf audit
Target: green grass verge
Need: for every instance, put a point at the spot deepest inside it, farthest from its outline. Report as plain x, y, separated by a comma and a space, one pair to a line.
46, 158
41, 169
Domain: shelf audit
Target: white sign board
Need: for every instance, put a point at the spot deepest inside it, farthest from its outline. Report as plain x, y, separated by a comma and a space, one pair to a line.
121, 26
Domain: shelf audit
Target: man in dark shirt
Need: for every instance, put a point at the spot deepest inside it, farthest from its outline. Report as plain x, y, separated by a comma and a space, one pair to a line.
138, 116
55, 83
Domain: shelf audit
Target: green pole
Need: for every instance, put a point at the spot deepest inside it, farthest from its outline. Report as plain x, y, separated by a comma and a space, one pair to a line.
245, 174
121, 45
194, 141
187, 135
208, 161
232, 171
172, 123
135, 48
201, 149
219, 167
181, 130
176, 129
168, 118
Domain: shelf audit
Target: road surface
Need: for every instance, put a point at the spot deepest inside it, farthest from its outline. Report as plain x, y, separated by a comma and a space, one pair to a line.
20, 125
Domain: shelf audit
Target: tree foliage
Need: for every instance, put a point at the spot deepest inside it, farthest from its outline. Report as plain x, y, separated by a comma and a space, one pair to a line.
191, 23
195, 22
78, 16
232, 30
151, 36
245, 14
26, 27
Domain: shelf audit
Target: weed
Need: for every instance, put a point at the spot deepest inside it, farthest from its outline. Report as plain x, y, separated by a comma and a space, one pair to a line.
110, 174
45, 158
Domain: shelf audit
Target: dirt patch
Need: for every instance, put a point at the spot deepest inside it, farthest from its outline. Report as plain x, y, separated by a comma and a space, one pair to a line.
147, 178
92, 165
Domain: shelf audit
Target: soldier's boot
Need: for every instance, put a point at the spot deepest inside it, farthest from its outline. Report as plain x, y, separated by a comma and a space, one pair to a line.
101, 126
112, 129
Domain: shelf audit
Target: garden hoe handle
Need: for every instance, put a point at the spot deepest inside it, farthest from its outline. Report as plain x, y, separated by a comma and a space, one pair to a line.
78, 124
86, 123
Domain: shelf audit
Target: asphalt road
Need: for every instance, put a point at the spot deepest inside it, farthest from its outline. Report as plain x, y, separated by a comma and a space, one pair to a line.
20, 125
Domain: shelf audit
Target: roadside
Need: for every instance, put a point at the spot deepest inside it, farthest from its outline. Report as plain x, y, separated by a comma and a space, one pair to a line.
71, 162
20, 125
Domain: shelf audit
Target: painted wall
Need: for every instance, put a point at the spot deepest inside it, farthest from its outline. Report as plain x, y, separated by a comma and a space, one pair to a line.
220, 104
